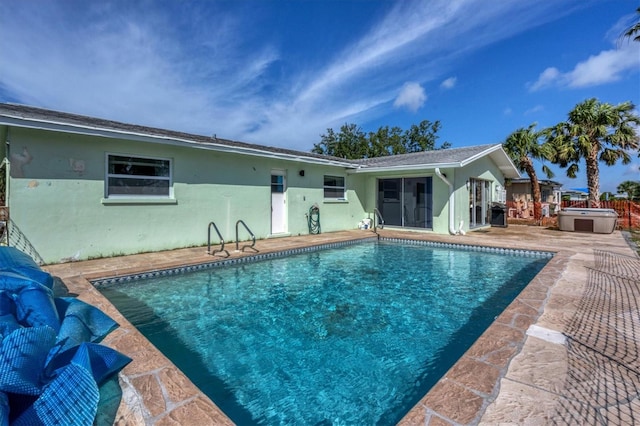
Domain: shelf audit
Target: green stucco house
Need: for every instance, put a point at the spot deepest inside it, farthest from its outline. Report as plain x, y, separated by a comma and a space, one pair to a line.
79, 187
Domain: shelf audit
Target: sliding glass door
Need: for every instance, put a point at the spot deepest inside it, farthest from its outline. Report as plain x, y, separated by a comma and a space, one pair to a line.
406, 202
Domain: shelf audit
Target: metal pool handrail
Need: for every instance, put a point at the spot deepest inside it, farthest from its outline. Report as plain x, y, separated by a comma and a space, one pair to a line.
253, 237
379, 216
209, 240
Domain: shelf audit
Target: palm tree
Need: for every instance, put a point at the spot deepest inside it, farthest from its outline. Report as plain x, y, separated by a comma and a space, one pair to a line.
607, 196
631, 188
595, 132
523, 147
634, 31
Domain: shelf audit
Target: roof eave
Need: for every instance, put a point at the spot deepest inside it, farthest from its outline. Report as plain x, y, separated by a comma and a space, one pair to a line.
32, 123
500, 158
402, 168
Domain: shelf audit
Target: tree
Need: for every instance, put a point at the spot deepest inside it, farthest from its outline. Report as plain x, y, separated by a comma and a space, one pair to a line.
385, 142
423, 137
631, 188
596, 132
352, 143
634, 31
523, 146
607, 196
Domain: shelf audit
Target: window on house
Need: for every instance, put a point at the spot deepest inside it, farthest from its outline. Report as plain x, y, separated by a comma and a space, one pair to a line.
334, 187
546, 195
277, 184
138, 176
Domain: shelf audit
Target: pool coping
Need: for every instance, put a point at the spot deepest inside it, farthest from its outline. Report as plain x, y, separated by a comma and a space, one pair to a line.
462, 395
221, 263
155, 392
164, 272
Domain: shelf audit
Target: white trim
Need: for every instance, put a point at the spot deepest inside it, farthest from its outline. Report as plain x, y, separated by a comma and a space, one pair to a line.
452, 228
416, 167
137, 200
167, 140
280, 214
137, 197
344, 188
504, 163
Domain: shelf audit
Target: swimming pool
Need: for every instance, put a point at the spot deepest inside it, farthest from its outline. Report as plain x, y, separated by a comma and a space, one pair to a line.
347, 336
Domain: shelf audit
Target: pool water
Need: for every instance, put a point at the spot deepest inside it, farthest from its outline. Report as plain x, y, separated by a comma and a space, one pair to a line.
353, 335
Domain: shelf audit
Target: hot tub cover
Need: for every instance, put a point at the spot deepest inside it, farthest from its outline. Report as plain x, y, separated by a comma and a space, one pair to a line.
51, 365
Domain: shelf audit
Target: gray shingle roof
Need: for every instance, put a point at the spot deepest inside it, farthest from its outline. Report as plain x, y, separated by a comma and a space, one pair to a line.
440, 156
46, 115
454, 157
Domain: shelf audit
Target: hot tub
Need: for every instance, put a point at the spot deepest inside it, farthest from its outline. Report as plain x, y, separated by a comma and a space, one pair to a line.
600, 221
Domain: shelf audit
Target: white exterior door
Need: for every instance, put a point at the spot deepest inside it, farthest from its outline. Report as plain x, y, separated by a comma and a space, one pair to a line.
278, 202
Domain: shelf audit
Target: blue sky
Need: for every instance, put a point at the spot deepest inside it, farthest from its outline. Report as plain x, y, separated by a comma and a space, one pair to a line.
281, 73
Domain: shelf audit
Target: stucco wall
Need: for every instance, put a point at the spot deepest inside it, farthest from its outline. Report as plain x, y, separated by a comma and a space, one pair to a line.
57, 195
57, 198
482, 168
439, 188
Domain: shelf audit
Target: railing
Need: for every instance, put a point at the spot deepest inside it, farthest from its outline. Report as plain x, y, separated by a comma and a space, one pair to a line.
377, 215
4, 226
253, 237
12, 236
222, 250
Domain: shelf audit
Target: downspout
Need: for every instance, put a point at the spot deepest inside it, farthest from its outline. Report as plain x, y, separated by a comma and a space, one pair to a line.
452, 229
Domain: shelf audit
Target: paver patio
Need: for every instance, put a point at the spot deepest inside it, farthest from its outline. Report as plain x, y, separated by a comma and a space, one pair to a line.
565, 351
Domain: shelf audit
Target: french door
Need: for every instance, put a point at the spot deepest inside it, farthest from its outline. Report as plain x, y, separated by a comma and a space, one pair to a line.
479, 202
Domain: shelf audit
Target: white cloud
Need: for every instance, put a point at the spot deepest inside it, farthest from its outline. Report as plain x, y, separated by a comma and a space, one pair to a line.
605, 67
546, 79
535, 109
449, 83
507, 111
207, 68
411, 97
633, 170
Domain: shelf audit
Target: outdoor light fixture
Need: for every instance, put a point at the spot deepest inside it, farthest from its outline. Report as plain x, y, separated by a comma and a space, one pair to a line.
301, 172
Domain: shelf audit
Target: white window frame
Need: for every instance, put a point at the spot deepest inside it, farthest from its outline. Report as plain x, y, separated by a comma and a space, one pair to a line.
132, 157
342, 188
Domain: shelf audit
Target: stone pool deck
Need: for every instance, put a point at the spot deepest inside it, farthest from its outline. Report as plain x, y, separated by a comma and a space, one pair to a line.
565, 351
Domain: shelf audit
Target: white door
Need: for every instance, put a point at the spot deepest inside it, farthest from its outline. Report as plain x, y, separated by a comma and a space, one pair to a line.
278, 202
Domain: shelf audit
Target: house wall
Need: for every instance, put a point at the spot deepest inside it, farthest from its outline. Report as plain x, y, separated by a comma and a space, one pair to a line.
57, 195
440, 194
483, 168
521, 191
57, 198
3, 138
441, 201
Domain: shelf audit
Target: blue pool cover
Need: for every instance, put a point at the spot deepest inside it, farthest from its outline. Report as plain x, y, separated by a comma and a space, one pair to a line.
51, 365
